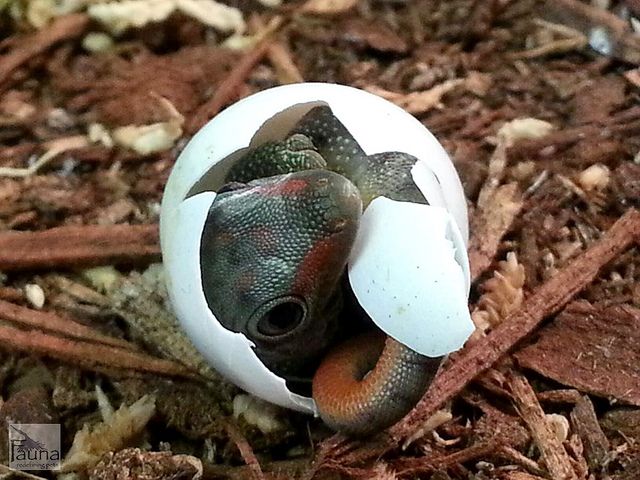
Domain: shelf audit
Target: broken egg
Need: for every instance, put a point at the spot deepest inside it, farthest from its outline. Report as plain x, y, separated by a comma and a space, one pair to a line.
408, 268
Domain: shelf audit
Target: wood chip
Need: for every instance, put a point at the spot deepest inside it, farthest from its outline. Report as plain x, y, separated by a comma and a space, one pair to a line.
228, 90
328, 7
585, 424
62, 28
491, 224
520, 476
280, 57
584, 345
551, 449
549, 298
570, 396
74, 246
373, 34
419, 102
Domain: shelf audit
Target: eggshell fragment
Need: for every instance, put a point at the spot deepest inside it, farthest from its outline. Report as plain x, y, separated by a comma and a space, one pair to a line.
406, 272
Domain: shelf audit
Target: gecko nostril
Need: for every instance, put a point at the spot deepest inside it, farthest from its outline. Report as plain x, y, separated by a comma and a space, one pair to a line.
322, 182
281, 319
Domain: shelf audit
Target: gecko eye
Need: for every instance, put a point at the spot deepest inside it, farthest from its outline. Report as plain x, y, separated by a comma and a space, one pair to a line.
281, 318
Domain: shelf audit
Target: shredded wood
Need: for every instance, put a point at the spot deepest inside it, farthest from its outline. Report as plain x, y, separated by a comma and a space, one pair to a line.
503, 294
263, 415
246, 452
553, 453
491, 224
120, 16
228, 90
51, 322
585, 423
114, 433
328, 7
157, 137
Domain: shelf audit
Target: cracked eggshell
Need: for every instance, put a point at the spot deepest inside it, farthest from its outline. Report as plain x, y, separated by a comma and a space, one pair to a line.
390, 234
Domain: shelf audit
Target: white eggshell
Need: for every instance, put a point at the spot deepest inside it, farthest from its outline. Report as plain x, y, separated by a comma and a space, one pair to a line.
418, 297
378, 126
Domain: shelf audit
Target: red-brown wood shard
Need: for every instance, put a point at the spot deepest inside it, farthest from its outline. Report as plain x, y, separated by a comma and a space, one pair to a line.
594, 349
78, 246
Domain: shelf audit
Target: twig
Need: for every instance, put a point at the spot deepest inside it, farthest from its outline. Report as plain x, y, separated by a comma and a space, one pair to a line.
60, 146
50, 321
246, 451
280, 57
514, 456
87, 354
551, 449
62, 28
73, 246
413, 466
228, 90
563, 45
546, 300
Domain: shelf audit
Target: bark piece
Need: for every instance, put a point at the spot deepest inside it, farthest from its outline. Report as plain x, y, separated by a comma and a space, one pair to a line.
585, 423
594, 349
75, 246
551, 449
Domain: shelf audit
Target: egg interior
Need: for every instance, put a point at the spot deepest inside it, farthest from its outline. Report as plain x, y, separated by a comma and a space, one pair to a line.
393, 251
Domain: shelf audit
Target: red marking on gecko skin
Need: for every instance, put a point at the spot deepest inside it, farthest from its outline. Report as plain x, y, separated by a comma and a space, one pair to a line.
315, 259
287, 188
